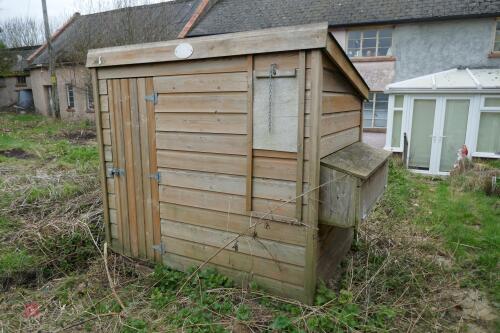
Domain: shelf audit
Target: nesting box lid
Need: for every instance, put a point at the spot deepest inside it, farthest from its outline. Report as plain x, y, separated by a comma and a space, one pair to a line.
359, 160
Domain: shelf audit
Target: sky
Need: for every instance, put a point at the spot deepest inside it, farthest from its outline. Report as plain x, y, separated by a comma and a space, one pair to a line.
55, 8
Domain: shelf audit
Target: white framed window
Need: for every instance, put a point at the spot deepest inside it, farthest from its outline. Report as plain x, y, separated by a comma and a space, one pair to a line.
369, 43
488, 135
375, 110
70, 96
90, 99
496, 40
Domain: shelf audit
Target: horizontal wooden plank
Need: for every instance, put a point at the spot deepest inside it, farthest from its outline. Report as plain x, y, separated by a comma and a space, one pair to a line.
263, 248
274, 154
112, 201
114, 230
204, 181
111, 185
275, 168
340, 103
106, 137
262, 188
337, 122
108, 154
334, 142
103, 105
236, 260
226, 164
201, 83
105, 121
206, 143
334, 81
284, 60
272, 230
229, 102
311, 36
220, 65
202, 123
103, 87
223, 202
112, 216
241, 278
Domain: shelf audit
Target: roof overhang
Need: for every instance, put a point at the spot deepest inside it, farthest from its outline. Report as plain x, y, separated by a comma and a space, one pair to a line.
303, 37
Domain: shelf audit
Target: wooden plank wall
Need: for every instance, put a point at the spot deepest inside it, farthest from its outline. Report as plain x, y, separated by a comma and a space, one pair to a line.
203, 146
340, 127
341, 114
105, 118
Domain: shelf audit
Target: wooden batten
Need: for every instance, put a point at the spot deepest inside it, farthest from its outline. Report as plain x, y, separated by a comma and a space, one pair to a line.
303, 37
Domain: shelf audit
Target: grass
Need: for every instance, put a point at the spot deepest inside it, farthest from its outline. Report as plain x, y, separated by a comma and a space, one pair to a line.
428, 243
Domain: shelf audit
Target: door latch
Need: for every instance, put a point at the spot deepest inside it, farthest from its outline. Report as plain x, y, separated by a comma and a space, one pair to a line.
115, 172
156, 176
160, 248
152, 98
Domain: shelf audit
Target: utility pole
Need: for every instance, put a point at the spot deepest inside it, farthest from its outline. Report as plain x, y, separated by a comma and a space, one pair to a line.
54, 105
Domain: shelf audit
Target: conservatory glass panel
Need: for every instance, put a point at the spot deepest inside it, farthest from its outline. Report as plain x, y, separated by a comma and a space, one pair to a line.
396, 129
455, 128
492, 102
421, 134
488, 140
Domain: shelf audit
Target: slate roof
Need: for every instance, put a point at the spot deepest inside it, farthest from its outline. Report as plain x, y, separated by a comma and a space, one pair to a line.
133, 25
242, 15
15, 60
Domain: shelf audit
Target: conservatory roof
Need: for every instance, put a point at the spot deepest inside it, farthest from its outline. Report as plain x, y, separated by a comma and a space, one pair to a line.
457, 80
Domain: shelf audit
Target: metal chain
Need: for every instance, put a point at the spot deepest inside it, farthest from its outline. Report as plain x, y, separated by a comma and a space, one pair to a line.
272, 72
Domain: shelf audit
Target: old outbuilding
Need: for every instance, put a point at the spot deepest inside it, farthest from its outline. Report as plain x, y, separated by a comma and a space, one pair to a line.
217, 142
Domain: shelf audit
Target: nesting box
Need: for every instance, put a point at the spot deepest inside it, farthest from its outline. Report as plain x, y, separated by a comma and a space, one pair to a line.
216, 142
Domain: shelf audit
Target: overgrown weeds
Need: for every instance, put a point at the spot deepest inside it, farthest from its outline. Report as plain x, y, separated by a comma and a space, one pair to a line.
425, 261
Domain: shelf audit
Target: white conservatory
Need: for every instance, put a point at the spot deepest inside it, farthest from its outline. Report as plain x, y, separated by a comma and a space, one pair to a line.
441, 112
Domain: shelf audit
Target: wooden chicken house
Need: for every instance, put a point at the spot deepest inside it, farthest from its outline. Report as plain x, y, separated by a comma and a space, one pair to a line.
217, 141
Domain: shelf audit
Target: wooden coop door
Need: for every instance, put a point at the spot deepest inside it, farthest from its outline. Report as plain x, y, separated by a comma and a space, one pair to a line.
135, 170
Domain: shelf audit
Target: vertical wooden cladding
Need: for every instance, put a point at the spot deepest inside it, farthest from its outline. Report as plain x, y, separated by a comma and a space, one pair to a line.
133, 195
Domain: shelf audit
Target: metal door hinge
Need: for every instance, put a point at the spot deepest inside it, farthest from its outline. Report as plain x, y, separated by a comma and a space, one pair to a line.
152, 98
160, 248
115, 172
156, 176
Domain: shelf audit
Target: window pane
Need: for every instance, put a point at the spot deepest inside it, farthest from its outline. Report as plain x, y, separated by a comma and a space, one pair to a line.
421, 134
367, 123
488, 140
354, 52
354, 35
492, 102
385, 42
385, 33
381, 97
398, 101
455, 128
353, 44
369, 52
396, 129
369, 43
370, 34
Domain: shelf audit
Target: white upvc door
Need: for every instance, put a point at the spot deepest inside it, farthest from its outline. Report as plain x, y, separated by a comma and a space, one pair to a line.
437, 128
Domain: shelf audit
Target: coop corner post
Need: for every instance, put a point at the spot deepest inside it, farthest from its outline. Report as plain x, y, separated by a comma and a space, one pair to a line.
314, 172
100, 147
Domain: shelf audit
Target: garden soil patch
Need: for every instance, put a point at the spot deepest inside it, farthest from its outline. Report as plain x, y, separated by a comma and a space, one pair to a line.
16, 153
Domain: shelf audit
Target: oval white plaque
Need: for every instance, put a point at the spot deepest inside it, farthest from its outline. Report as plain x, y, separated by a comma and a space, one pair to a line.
183, 51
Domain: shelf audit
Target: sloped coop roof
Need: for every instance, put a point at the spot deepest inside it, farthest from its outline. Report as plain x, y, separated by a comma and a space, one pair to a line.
304, 37
238, 15
458, 80
142, 24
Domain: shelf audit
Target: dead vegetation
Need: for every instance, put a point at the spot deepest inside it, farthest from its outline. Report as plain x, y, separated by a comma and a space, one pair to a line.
400, 276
